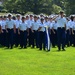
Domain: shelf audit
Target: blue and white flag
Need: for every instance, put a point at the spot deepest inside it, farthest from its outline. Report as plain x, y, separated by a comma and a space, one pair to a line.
47, 38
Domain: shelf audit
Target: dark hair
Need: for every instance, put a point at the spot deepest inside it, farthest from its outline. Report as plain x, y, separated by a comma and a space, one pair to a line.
18, 15
23, 17
46, 17
9, 15
61, 12
27, 16
14, 18
35, 16
72, 18
41, 19
5, 16
31, 15
1, 16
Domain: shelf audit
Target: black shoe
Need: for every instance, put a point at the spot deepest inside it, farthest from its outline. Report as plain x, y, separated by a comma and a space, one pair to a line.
63, 50
11, 48
53, 47
40, 49
73, 45
21, 48
58, 50
29, 45
44, 49
48, 50
7, 48
32, 47
16, 46
37, 47
25, 47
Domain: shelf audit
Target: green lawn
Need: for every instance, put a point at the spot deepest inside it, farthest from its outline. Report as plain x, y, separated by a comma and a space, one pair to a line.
35, 62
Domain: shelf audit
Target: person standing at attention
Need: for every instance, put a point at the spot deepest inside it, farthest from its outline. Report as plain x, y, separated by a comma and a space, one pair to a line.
10, 30
61, 35
22, 31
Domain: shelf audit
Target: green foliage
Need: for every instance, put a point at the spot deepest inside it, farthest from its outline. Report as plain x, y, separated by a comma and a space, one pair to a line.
4, 11
39, 6
1, 7
56, 9
29, 13
70, 6
24, 6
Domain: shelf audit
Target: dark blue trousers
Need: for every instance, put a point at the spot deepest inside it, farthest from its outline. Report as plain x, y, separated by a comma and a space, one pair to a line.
23, 39
61, 37
42, 40
4, 38
16, 38
0, 38
10, 39
35, 39
74, 39
67, 38
71, 37
30, 38
54, 38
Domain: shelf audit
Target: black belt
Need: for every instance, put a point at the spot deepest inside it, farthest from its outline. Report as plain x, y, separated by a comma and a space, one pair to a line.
74, 30
10, 28
23, 30
16, 28
3, 29
61, 27
35, 30
41, 31
67, 30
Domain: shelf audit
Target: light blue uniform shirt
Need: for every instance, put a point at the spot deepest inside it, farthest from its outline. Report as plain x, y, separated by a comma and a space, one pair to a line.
67, 26
61, 22
71, 23
55, 26
23, 26
51, 24
35, 26
74, 26
3, 24
17, 23
0, 22
42, 27
46, 23
29, 23
10, 24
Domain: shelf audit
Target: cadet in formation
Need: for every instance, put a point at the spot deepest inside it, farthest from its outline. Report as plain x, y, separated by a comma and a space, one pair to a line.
37, 31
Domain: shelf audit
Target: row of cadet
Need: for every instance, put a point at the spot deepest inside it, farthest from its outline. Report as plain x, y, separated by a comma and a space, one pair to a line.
30, 31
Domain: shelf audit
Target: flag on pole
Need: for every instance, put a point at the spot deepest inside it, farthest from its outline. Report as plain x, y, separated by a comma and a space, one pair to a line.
47, 38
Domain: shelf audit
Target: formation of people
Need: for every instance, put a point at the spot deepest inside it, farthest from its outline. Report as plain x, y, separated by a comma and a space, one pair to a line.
37, 31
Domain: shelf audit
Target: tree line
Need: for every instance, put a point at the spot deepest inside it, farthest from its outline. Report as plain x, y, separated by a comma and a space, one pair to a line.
39, 6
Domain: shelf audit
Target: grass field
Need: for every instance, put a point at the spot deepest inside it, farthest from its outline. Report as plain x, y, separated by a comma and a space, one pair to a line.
35, 62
